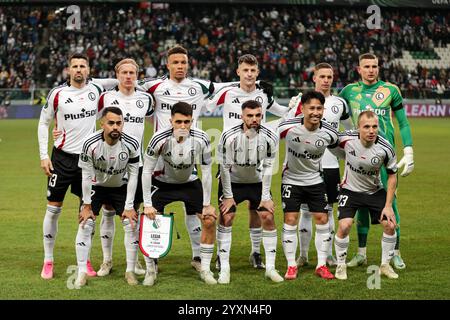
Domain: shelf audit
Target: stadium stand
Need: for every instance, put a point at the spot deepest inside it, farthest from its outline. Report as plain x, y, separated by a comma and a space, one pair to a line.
413, 44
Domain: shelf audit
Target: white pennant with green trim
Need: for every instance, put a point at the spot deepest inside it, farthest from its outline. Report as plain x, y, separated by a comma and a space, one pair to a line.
155, 236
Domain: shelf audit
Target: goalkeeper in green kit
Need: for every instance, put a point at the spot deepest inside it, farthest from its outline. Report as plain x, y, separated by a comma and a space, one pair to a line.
383, 98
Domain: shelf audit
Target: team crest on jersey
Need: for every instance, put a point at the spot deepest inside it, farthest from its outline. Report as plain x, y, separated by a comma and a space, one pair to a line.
91, 96
375, 160
192, 91
139, 103
123, 156
259, 99
150, 152
260, 148
335, 109
84, 157
379, 96
319, 143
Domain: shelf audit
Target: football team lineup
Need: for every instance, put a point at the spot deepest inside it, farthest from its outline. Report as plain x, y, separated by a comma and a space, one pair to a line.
297, 151
110, 171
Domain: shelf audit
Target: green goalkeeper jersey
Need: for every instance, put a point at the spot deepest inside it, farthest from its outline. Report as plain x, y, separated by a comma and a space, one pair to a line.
383, 98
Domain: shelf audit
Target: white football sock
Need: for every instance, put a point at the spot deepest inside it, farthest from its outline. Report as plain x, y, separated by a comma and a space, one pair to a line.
50, 230
341, 247
194, 228
224, 246
256, 235
305, 230
363, 251
322, 242
206, 253
387, 247
150, 264
331, 223
131, 241
290, 240
107, 231
269, 238
83, 244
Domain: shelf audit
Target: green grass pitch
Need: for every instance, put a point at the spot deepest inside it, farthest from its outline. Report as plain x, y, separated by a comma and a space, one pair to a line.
423, 200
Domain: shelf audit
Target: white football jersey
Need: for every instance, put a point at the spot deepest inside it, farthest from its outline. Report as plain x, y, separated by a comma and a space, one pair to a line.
246, 153
246, 157
178, 159
135, 108
109, 163
362, 165
304, 151
167, 92
74, 111
231, 99
335, 110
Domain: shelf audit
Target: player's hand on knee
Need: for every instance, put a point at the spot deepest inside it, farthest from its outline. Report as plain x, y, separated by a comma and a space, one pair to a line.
266, 205
85, 214
390, 216
226, 205
130, 215
150, 212
407, 161
209, 211
47, 166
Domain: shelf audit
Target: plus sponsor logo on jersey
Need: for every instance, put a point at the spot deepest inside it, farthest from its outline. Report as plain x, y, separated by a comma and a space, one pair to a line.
305, 154
236, 101
68, 101
84, 114
110, 171
234, 115
115, 102
167, 106
362, 171
132, 119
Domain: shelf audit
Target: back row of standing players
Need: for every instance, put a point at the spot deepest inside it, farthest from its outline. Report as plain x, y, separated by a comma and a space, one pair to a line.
74, 107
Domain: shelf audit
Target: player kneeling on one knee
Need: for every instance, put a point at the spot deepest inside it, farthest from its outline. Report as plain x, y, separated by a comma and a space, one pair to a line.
365, 153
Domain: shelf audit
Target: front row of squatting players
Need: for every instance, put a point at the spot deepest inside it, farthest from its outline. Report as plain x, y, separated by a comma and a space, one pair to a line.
112, 157
116, 176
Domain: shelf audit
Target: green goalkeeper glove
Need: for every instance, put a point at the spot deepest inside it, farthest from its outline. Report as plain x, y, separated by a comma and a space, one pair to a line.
407, 161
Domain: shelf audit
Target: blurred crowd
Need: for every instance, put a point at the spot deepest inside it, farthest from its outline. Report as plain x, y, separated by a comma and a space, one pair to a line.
288, 40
